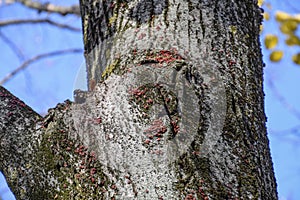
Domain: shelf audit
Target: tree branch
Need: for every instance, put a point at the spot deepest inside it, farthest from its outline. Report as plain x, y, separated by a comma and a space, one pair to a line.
293, 130
18, 140
35, 21
36, 58
292, 6
51, 8
12, 46
282, 100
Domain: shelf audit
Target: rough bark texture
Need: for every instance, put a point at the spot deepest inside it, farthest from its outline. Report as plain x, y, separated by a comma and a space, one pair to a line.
175, 109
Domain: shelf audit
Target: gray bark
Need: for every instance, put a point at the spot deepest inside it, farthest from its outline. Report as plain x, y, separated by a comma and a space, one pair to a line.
174, 110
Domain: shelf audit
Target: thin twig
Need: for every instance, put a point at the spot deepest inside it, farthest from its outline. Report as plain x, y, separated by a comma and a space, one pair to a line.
293, 130
282, 100
13, 46
36, 58
51, 8
292, 7
36, 21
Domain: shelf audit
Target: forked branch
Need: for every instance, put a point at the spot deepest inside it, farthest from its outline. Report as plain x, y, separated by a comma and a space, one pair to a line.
51, 8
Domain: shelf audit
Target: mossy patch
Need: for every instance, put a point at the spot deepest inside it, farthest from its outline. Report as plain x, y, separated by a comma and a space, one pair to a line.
74, 170
111, 68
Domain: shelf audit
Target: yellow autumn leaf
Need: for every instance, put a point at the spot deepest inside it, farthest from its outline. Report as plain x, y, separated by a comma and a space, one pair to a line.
282, 16
261, 28
260, 2
233, 29
269, 6
271, 41
266, 16
276, 56
296, 58
288, 26
292, 40
297, 18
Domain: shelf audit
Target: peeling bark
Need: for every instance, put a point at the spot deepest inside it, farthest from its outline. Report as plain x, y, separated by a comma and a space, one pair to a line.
174, 110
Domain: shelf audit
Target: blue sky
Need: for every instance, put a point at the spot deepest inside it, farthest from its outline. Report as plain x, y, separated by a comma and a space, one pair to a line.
50, 81
283, 123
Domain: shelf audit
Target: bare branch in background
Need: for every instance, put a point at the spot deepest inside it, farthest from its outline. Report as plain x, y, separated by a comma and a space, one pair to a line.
282, 100
51, 8
12, 46
36, 21
294, 130
294, 8
36, 58
6, 2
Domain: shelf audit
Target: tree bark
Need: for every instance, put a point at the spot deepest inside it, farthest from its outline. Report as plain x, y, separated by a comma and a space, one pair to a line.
175, 109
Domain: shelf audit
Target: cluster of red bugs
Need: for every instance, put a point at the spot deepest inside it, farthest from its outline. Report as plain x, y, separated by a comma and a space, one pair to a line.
97, 120
141, 36
139, 96
87, 160
164, 56
146, 96
138, 92
156, 130
190, 197
175, 126
201, 191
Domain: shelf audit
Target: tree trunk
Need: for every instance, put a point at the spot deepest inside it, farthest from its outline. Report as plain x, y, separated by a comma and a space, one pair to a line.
175, 109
